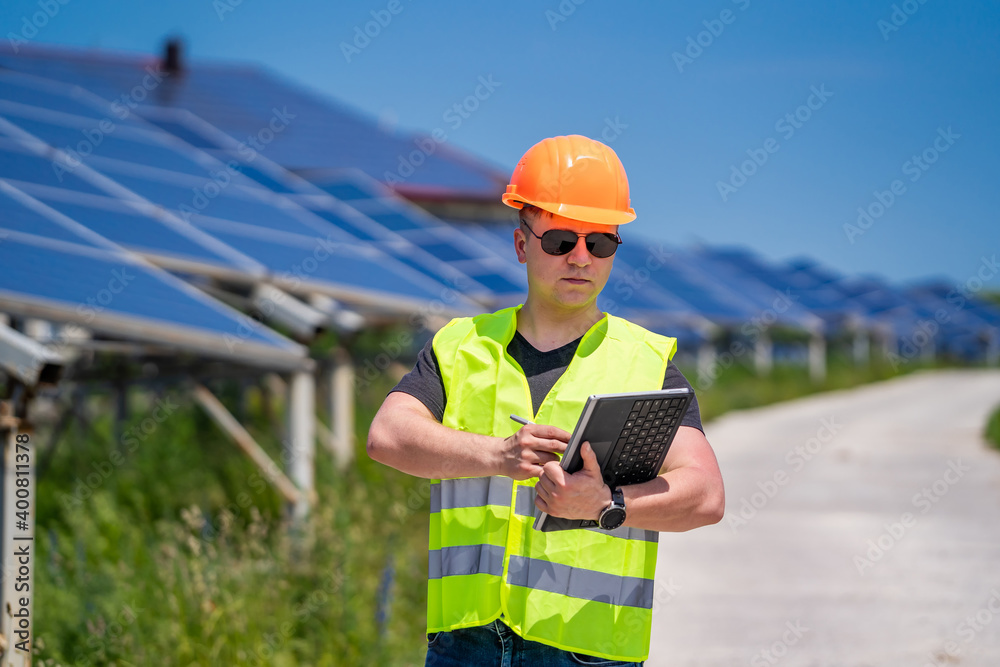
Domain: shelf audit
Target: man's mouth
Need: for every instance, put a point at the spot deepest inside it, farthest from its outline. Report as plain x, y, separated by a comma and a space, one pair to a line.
576, 281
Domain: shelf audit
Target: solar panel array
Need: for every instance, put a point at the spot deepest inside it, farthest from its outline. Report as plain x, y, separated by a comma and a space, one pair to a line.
58, 270
227, 173
242, 101
147, 190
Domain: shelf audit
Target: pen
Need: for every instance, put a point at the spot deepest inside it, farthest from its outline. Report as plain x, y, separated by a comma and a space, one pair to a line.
520, 420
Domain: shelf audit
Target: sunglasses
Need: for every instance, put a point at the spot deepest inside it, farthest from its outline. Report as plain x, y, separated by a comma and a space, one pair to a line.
562, 242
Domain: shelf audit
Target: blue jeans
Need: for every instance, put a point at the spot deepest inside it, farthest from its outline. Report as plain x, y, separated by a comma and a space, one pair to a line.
495, 644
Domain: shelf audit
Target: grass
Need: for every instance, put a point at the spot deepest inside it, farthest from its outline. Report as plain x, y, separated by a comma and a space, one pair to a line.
166, 547
993, 429
179, 555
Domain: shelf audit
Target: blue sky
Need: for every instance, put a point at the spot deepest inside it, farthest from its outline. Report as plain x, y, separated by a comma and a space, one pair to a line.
881, 94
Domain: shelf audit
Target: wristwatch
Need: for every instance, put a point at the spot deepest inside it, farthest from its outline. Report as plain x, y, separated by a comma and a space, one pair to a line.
613, 515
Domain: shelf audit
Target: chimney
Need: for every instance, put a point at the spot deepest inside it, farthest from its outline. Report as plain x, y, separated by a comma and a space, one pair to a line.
172, 56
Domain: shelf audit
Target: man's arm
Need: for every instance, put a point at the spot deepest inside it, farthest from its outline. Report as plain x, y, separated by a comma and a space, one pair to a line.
406, 436
687, 494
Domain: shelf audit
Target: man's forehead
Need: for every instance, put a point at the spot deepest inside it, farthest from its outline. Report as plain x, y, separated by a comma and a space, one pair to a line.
547, 220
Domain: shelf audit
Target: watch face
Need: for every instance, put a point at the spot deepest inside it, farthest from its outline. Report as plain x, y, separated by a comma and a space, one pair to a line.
612, 518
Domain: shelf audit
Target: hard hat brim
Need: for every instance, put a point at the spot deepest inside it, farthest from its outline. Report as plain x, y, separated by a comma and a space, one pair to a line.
599, 216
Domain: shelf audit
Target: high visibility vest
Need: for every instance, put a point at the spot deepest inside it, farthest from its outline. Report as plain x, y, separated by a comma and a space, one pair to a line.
586, 590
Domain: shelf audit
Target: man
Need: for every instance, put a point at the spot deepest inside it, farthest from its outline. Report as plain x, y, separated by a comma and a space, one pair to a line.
500, 592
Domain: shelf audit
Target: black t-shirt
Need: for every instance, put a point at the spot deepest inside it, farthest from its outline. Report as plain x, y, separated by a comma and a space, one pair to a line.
541, 369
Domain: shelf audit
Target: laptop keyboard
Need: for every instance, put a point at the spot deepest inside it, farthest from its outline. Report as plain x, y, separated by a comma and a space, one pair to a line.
644, 438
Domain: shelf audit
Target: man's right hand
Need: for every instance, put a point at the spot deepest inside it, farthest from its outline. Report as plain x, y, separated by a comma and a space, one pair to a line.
524, 453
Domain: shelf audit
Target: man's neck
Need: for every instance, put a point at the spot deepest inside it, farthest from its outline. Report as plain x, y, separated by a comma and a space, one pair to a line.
547, 330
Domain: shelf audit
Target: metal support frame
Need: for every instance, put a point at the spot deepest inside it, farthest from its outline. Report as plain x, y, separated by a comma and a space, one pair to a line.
341, 396
217, 411
282, 307
817, 357
300, 447
706, 363
862, 347
763, 354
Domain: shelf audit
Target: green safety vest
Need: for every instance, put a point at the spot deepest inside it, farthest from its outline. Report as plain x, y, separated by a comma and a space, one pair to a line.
586, 590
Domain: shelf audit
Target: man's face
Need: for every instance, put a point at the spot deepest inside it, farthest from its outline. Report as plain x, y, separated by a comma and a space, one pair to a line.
569, 281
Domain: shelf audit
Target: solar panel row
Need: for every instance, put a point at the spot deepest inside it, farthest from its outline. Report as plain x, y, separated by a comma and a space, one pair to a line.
180, 179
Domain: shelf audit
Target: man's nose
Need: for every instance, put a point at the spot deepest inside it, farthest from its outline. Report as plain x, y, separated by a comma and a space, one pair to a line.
579, 256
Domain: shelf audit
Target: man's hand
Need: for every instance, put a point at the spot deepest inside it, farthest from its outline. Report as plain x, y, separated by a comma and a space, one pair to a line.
581, 495
534, 445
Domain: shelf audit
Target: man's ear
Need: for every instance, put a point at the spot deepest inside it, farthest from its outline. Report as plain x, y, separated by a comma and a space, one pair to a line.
520, 241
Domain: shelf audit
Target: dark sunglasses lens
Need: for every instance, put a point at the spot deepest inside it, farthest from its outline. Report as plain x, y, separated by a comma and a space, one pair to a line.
601, 244
558, 241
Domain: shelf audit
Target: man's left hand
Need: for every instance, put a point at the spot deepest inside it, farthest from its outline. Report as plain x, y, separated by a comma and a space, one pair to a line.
581, 495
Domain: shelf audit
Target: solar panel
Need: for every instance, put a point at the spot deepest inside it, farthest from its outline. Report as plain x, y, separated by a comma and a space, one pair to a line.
447, 242
182, 131
106, 290
126, 226
363, 274
18, 215
121, 143
18, 163
190, 200
781, 303
345, 191
348, 270
679, 279
375, 214
18, 91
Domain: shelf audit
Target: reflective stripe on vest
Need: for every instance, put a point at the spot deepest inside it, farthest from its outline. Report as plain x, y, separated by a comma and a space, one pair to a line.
471, 559
580, 583
589, 591
471, 492
524, 505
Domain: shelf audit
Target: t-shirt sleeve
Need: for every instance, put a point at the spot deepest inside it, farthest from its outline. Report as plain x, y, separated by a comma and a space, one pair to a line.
674, 379
424, 382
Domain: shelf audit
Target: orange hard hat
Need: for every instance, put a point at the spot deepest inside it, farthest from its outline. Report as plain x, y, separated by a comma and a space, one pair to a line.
572, 176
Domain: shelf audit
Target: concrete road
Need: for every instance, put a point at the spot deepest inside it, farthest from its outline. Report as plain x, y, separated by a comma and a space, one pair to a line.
862, 529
